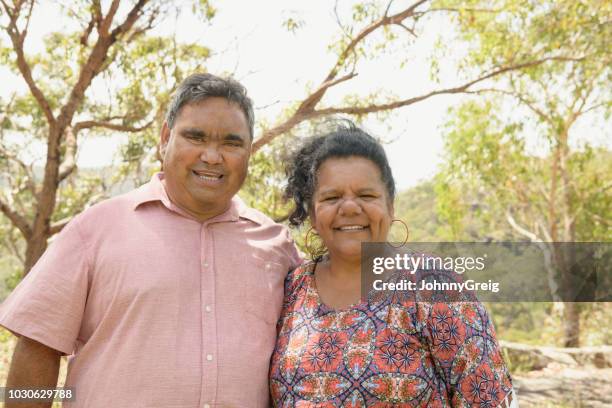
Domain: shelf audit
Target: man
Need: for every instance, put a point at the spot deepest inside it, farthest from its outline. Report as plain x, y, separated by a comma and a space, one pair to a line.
166, 296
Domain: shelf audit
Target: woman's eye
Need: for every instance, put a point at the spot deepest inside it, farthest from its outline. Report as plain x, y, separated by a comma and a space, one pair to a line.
330, 198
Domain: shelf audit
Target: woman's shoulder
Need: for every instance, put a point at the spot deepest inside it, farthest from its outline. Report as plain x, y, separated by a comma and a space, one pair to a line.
300, 273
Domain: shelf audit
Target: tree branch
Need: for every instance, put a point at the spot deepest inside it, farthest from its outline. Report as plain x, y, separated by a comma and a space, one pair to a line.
56, 227
96, 59
524, 232
131, 18
69, 163
311, 101
339, 22
28, 18
16, 219
410, 30
107, 21
385, 20
306, 109
547, 251
27, 169
10, 243
594, 107
463, 10
17, 39
87, 32
88, 124
520, 98
361, 110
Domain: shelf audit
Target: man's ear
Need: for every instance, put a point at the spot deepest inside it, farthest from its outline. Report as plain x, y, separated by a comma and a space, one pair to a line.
164, 138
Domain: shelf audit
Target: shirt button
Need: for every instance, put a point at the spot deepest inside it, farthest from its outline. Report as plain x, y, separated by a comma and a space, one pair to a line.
206, 406
208, 308
209, 357
206, 264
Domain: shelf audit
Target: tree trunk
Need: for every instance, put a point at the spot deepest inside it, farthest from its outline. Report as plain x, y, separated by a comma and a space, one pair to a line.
571, 312
571, 325
35, 247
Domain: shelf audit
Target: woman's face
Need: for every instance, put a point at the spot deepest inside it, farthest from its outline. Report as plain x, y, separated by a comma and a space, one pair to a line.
350, 206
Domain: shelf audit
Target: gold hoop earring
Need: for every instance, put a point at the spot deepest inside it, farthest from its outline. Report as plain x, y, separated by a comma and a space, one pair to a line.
407, 233
314, 253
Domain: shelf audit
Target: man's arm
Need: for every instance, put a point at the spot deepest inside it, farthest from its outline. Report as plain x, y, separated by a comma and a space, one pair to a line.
34, 365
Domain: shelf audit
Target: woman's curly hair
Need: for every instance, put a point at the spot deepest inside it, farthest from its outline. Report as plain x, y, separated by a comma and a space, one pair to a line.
345, 141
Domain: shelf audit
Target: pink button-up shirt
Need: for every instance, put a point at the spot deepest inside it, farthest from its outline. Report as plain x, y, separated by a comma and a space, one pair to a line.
155, 308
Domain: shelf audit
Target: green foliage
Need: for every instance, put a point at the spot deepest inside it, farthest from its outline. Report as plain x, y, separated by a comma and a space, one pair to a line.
591, 197
488, 158
560, 192
128, 94
266, 169
76, 194
490, 168
416, 206
293, 22
10, 262
204, 9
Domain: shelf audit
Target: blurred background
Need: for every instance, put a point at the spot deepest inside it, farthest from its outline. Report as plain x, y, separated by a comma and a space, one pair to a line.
495, 116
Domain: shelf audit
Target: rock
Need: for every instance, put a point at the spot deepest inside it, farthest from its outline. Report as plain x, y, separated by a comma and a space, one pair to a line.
527, 357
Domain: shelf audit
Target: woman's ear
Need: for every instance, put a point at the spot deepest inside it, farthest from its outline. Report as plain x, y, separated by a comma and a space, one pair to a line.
312, 219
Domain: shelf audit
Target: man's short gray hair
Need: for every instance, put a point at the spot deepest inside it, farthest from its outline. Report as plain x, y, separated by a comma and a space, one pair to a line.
198, 87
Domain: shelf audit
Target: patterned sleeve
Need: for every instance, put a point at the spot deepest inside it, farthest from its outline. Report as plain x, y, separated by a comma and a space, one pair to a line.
293, 281
467, 355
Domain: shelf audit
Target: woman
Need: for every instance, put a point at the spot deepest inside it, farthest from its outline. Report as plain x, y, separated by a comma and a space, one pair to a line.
336, 350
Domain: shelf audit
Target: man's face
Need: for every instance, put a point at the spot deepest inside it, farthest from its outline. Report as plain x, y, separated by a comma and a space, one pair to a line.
206, 156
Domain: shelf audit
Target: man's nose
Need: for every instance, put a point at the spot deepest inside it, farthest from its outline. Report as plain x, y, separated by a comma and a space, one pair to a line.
211, 155
349, 206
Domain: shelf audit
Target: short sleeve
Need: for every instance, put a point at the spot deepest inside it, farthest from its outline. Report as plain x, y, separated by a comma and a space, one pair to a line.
48, 304
466, 354
295, 258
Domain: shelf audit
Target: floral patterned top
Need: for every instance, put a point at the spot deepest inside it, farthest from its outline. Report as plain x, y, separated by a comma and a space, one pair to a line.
384, 352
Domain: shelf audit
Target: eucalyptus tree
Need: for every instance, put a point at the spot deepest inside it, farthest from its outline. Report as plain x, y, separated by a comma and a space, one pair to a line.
558, 191
107, 72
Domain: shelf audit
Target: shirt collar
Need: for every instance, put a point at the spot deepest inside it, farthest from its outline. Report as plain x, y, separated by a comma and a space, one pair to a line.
154, 190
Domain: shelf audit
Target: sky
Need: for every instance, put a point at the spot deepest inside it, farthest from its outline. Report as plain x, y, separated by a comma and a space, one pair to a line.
249, 41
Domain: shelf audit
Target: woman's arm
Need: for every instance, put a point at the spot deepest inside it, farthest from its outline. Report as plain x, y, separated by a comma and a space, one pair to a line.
467, 355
